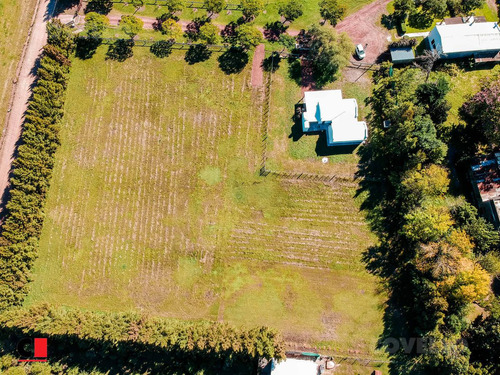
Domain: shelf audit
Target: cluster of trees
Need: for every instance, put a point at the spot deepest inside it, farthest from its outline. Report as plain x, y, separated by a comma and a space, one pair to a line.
481, 115
423, 12
432, 245
32, 168
134, 343
328, 53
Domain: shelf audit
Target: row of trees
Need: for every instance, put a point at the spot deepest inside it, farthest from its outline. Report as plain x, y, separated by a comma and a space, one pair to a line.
423, 12
134, 343
432, 253
32, 168
331, 10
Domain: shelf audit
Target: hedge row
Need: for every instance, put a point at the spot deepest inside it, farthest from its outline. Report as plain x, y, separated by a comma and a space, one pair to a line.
403, 42
130, 342
30, 177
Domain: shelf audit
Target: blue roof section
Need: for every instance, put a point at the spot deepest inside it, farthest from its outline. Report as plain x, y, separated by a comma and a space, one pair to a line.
402, 54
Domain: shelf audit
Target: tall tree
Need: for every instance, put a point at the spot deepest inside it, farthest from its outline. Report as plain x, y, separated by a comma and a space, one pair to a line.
432, 95
332, 11
209, 33
402, 8
131, 25
95, 24
173, 7
290, 10
171, 29
468, 5
60, 36
251, 8
248, 36
214, 6
329, 52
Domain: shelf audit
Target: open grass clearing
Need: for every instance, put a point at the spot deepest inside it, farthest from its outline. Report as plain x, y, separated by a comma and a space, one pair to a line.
156, 206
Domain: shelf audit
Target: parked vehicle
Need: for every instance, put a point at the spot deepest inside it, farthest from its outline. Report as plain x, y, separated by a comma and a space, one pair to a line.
360, 52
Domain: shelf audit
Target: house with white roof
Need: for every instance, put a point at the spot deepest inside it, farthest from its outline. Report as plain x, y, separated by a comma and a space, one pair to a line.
326, 110
467, 39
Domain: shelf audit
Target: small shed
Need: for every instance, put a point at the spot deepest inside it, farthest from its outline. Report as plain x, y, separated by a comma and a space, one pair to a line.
292, 366
402, 55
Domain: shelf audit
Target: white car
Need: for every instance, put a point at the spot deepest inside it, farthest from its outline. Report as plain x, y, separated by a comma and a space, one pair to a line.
360, 52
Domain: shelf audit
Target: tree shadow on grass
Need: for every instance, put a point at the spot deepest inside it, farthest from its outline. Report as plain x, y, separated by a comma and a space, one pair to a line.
272, 62
99, 6
420, 20
120, 50
64, 5
131, 356
233, 61
295, 70
86, 47
197, 53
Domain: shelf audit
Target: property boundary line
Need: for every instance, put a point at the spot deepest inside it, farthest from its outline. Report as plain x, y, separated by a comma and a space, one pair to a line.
176, 45
189, 4
264, 171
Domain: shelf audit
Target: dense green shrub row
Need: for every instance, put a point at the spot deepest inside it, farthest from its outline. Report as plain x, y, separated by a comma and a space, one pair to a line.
129, 342
32, 169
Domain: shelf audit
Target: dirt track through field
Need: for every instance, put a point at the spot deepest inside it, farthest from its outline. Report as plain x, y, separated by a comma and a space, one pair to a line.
257, 70
22, 90
363, 27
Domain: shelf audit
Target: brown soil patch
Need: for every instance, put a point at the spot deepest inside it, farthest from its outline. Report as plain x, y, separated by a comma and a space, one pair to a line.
257, 71
363, 27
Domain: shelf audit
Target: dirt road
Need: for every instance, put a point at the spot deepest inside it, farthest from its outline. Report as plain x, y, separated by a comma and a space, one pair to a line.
22, 91
257, 71
363, 27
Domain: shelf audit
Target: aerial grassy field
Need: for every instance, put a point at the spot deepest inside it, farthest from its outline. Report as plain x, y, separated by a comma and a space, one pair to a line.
156, 205
311, 12
15, 19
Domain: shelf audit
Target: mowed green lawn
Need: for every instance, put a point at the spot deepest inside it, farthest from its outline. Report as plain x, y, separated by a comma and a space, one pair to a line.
289, 149
15, 19
310, 7
156, 206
